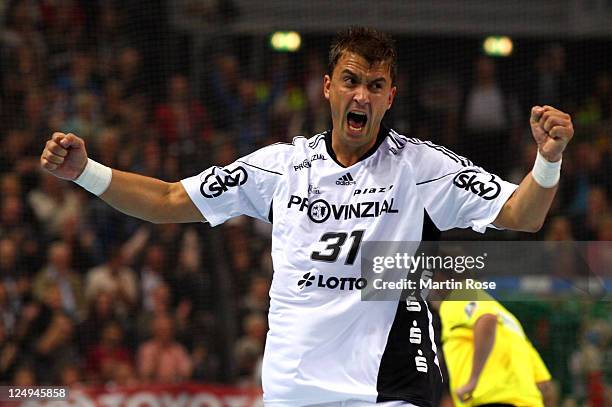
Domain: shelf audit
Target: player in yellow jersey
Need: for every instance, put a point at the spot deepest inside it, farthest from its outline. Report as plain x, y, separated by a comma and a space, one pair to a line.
490, 361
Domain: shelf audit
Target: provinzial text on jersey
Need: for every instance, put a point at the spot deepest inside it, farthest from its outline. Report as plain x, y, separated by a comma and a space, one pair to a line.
307, 163
320, 210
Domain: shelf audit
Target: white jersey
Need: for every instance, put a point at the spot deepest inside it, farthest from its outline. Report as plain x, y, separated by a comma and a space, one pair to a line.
325, 344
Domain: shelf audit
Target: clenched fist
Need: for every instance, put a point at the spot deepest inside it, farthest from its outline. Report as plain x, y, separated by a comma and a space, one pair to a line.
64, 156
552, 129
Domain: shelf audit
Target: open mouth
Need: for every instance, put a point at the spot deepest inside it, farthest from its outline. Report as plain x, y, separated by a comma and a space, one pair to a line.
356, 120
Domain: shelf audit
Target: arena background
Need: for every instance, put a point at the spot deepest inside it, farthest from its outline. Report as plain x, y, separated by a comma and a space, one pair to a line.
168, 88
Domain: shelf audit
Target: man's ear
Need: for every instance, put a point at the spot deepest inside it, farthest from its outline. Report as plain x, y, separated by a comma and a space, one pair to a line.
391, 97
326, 86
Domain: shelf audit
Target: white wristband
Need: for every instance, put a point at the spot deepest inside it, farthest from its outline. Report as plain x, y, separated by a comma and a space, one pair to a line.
545, 173
95, 177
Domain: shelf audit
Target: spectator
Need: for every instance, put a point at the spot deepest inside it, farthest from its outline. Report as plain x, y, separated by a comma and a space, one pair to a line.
10, 185
559, 229
288, 114
54, 345
586, 362
101, 311
10, 270
238, 250
108, 145
22, 55
112, 102
152, 274
597, 206
52, 202
183, 123
249, 348
600, 251
25, 376
9, 311
138, 130
124, 375
58, 273
110, 36
603, 95
438, 104
490, 118
225, 80
82, 242
9, 351
169, 236
596, 107
161, 303
562, 258
257, 300
316, 119
13, 225
64, 23
86, 119
116, 279
128, 71
191, 282
103, 358
162, 358
152, 162
552, 84
35, 107
80, 78
16, 154
206, 363
70, 375
604, 229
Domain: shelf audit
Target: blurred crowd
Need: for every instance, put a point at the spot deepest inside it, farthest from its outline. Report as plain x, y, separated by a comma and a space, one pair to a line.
88, 295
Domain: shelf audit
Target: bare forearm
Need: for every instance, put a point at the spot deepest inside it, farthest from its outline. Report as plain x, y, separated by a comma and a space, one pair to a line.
146, 198
484, 339
137, 195
549, 393
526, 210
150, 199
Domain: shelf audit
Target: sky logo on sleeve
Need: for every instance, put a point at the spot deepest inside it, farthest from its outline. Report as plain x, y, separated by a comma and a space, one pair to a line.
220, 180
482, 184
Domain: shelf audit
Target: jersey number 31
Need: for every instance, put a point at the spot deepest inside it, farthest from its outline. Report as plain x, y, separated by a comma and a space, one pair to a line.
335, 241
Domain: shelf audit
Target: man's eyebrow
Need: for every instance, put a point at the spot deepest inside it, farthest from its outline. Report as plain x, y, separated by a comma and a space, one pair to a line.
348, 72
381, 79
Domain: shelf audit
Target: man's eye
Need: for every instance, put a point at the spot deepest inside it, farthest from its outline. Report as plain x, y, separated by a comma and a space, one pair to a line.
350, 81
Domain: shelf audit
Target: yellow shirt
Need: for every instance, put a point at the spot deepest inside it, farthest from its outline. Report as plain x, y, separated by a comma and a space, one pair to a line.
513, 367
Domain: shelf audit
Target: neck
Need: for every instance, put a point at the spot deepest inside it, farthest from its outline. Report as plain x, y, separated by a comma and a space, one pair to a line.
348, 154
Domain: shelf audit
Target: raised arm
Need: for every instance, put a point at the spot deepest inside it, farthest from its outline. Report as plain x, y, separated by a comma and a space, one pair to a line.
527, 208
143, 197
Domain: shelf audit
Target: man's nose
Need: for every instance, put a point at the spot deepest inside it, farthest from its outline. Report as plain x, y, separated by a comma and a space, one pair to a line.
362, 95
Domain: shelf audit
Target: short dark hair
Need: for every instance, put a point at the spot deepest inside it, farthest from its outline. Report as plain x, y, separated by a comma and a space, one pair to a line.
373, 45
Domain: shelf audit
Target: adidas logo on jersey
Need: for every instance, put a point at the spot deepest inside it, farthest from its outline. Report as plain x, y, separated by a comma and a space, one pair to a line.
346, 179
